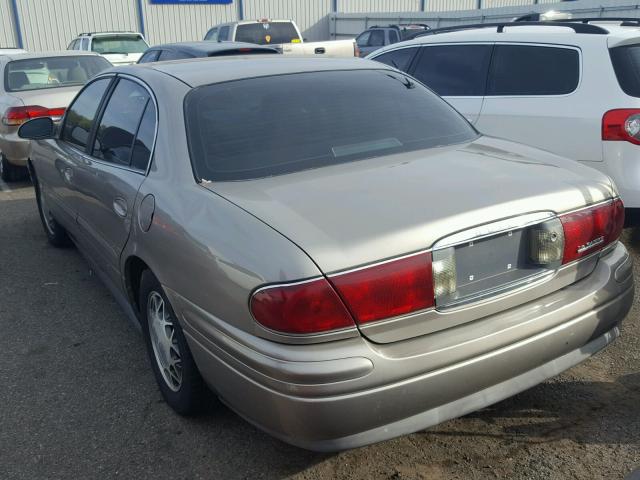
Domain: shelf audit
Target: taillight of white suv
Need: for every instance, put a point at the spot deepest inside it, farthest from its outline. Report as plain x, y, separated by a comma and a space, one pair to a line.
622, 124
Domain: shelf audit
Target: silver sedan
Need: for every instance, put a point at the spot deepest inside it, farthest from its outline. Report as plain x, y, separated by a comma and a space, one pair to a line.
37, 85
327, 245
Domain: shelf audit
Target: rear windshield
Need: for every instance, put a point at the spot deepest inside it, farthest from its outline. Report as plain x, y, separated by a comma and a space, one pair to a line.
266, 126
52, 72
626, 64
266, 33
119, 44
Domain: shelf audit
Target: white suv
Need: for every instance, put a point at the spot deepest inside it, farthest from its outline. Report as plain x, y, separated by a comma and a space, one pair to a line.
120, 48
569, 87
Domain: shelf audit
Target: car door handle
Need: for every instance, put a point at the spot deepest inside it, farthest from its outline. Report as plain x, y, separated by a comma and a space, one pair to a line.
120, 207
320, 50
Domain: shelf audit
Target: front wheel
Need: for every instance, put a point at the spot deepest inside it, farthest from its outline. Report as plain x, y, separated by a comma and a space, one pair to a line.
173, 366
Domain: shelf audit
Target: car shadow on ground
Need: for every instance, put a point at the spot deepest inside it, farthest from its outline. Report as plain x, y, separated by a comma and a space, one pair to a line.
582, 411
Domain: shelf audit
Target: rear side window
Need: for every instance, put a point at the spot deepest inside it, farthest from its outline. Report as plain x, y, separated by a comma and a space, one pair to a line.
224, 34
393, 36
172, 55
533, 70
212, 34
265, 33
400, 59
377, 38
149, 56
81, 114
119, 124
626, 64
143, 144
454, 70
266, 126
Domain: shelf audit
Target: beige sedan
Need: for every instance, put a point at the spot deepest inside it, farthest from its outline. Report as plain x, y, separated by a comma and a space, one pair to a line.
36, 85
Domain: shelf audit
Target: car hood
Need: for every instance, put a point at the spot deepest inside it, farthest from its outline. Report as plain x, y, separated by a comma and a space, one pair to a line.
361, 212
49, 97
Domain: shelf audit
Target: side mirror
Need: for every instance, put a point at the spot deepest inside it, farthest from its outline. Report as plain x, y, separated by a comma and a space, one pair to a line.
37, 129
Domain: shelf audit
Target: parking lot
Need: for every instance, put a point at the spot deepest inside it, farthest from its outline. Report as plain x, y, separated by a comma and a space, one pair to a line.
79, 399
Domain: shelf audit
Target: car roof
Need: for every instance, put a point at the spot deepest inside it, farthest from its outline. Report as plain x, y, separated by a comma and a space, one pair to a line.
613, 33
196, 72
115, 32
206, 48
60, 53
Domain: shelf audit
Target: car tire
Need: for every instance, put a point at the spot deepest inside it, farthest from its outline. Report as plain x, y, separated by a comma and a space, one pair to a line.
56, 233
176, 373
8, 171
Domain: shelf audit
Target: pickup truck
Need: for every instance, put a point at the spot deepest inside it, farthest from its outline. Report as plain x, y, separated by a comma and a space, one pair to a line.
282, 34
377, 37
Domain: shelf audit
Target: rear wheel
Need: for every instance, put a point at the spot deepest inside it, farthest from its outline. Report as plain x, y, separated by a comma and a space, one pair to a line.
10, 172
173, 366
56, 234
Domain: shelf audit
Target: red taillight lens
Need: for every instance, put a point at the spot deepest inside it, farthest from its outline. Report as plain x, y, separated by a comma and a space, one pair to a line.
591, 229
388, 289
622, 124
307, 307
19, 115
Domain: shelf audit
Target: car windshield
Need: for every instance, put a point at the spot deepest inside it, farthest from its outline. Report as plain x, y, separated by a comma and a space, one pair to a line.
52, 72
265, 33
119, 44
275, 125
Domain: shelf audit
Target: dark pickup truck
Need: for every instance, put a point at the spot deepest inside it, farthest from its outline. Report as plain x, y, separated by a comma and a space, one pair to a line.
377, 37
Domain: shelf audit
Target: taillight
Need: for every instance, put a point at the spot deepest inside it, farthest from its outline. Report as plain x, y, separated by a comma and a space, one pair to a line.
388, 289
18, 115
622, 124
306, 307
356, 50
591, 229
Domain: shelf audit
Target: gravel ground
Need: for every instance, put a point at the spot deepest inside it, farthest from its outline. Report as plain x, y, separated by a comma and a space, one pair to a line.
78, 399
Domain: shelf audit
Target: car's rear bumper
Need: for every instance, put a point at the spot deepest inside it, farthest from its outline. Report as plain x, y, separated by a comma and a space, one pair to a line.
15, 149
352, 392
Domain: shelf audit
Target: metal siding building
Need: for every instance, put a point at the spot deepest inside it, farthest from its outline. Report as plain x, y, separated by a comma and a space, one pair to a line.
52, 24
7, 29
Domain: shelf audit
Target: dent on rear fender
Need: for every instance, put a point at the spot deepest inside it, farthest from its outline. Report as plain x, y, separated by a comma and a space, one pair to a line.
213, 253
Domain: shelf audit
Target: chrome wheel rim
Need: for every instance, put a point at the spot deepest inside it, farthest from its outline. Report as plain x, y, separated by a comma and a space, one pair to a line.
164, 341
46, 214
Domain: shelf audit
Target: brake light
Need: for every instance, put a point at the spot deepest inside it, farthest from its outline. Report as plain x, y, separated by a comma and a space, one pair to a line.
18, 115
591, 229
388, 289
306, 307
622, 125
356, 49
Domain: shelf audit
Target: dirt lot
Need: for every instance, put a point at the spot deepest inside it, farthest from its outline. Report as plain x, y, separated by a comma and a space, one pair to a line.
78, 399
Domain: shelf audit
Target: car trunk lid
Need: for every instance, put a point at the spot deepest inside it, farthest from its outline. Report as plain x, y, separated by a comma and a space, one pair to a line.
356, 214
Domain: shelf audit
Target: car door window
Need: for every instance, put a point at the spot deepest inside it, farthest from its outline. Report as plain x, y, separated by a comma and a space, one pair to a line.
72, 45
82, 112
454, 70
377, 38
149, 56
119, 123
363, 39
400, 59
393, 36
533, 70
224, 34
212, 35
84, 44
170, 55
145, 136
